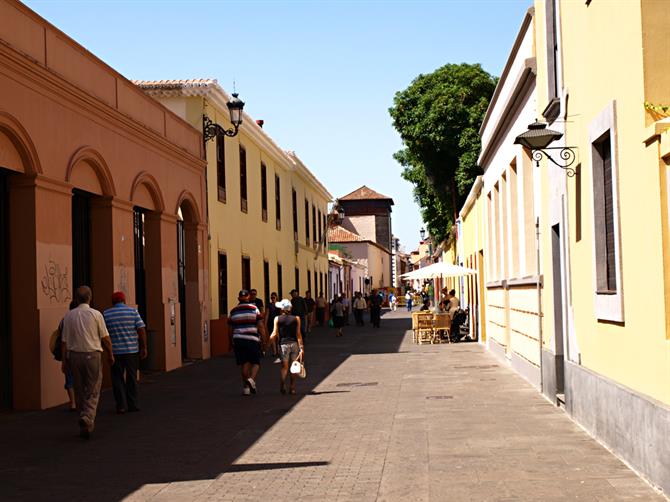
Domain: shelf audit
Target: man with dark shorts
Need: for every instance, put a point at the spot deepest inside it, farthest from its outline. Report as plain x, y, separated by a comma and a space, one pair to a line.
246, 323
299, 309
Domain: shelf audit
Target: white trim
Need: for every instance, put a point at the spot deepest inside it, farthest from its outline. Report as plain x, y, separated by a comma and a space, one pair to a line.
608, 307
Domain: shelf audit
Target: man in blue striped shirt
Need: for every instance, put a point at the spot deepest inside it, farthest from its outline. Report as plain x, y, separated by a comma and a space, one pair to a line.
129, 340
246, 323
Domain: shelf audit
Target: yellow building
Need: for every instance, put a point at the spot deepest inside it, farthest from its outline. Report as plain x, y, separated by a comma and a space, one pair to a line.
605, 239
267, 211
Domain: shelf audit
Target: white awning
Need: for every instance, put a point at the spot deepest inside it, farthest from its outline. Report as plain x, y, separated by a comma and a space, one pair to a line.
440, 269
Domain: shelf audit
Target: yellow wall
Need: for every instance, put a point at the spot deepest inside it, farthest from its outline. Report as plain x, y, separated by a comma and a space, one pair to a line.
604, 55
239, 234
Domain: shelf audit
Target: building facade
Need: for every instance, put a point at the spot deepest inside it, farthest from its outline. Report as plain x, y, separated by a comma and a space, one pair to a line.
576, 261
99, 185
368, 214
267, 211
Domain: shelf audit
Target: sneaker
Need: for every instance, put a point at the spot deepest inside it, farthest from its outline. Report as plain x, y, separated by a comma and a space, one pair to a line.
246, 391
277, 361
252, 385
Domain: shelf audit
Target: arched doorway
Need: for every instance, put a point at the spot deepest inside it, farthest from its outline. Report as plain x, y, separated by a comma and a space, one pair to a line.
18, 158
147, 209
92, 225
187, 278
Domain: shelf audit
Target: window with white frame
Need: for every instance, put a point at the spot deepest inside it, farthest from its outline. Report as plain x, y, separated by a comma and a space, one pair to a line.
607, 233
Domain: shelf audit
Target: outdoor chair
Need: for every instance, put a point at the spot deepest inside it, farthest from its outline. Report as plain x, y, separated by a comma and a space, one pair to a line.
425, 327
442, 325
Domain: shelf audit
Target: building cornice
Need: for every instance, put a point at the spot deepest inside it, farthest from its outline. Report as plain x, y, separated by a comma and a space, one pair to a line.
525, 24
44, 79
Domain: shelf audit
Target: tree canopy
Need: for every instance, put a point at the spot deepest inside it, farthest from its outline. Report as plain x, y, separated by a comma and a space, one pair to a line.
438, 117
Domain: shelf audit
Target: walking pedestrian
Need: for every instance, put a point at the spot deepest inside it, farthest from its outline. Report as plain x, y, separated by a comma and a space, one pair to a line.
246, 323
286, 330
408, 300
85, 338
321, 309
360, 307
338, 315
392, 301
299, 308
311, 308
270, 313
346, 304
253, 298
129, 344
375, 308
56, 347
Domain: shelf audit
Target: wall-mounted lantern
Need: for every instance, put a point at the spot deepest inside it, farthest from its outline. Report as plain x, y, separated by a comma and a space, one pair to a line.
212, 129
538, 138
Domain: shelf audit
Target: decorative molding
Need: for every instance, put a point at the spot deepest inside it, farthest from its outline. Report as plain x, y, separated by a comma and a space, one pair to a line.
146, 179
97, 162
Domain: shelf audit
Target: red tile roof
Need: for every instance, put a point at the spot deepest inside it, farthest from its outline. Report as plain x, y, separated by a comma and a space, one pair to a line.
365, 193
341, 234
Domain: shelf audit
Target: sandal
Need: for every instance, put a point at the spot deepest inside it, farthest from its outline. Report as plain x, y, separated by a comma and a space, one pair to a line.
293, 392
282, 388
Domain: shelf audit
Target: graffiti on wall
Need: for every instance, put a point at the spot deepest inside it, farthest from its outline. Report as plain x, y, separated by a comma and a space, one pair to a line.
56, 283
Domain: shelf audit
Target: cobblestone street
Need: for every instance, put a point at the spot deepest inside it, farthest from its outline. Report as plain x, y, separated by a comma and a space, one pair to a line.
378, 418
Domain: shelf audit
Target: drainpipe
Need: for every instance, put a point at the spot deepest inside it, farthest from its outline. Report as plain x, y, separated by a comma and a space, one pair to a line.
539, 298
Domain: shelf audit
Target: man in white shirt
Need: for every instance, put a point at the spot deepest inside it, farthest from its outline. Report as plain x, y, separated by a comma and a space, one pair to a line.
346, 303
85, 338
454, 303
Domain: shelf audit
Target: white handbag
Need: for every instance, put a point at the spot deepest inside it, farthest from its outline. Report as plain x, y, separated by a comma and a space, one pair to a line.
298, 369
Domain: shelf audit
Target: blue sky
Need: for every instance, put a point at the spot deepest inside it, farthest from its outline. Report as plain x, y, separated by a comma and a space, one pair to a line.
322, 74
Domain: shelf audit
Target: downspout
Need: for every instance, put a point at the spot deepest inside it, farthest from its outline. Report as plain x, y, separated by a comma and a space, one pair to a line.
539, 298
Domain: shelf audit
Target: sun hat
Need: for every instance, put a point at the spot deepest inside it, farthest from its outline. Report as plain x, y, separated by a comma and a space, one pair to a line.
285, 304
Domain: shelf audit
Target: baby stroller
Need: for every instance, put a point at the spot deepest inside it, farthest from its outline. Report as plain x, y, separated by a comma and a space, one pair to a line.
460, 325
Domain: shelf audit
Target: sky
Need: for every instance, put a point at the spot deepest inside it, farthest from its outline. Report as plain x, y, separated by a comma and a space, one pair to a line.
321, 74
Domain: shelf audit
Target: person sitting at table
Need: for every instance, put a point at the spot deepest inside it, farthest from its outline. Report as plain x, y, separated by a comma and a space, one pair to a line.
426, 305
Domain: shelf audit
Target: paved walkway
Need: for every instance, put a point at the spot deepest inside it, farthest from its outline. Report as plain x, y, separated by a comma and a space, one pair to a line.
378, 418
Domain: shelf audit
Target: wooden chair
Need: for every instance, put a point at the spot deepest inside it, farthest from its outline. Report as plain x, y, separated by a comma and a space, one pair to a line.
415, 326
442, 325
425, 327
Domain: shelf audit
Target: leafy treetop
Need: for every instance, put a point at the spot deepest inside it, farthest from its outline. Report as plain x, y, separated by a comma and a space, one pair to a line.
438, 117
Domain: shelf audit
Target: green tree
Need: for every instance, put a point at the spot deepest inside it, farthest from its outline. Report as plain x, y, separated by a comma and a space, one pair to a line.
438, 117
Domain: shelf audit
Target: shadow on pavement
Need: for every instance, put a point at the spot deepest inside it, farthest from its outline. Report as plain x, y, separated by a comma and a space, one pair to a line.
193, 425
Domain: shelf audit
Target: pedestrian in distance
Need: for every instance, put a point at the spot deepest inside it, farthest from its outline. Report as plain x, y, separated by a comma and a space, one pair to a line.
360, 306
321, 309
270, 313
129, 344
56, 348
286, 331
85, 339
392, 301
408, 300
246, 324
346, 304
311, 309
337, 311
299, 308
376, 308
253, 298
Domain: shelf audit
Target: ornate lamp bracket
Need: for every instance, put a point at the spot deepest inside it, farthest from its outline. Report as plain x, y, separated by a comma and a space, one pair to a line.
212, 129
565, 153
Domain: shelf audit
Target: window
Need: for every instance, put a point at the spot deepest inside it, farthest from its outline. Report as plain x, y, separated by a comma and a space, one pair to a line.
314, 226
309, 280
223, 284
323, 218
221, 168
297, 279
513, 204
243, 179
553, 108
294, 204
609, 289
246, 272
278, 203
280, 280
307, 222
320, 228
266, 282
264, 192
528, 218
602, 161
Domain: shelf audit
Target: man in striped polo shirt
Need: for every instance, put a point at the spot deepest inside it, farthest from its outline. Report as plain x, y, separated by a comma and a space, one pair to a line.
245, 321
129, 340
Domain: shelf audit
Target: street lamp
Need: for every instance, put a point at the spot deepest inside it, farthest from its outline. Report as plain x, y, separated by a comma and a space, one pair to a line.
212, 129
422, 232
538, 138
